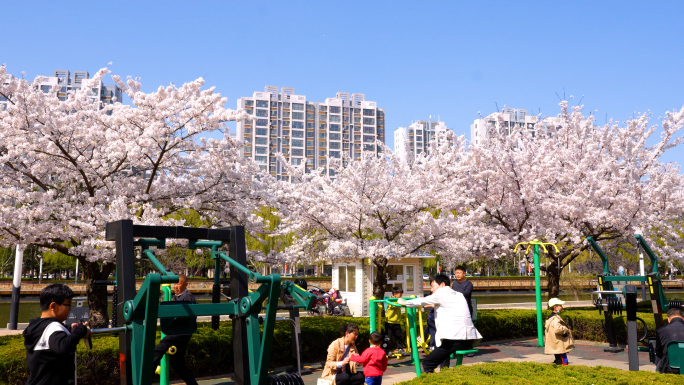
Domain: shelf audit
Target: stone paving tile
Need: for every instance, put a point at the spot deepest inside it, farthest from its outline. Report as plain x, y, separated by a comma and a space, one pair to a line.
523, 350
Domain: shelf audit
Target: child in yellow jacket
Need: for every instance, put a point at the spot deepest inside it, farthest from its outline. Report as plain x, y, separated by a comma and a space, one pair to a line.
558, 335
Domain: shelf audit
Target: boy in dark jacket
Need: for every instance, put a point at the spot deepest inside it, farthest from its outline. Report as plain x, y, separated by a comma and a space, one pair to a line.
51, 346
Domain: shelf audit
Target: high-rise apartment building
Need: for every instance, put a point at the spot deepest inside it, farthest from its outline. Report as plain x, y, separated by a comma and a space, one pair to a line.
68, 82
512, 121
420, 136
308, 132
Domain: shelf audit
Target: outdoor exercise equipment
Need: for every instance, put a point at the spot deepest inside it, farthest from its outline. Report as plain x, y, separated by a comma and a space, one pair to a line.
411, 318
138, 312
614, 305
609, 302
536, 245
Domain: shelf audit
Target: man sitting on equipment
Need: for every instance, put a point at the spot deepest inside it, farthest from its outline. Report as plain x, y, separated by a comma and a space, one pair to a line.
181, 341
455, 329
673, 331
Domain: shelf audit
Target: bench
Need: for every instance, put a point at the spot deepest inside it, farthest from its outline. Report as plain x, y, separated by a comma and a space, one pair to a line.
459, 355
675, 354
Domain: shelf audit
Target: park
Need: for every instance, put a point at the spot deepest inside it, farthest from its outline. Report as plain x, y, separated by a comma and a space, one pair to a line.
457, 193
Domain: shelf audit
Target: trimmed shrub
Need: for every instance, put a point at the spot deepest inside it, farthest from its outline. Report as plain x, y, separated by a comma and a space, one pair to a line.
523, 373
210, 352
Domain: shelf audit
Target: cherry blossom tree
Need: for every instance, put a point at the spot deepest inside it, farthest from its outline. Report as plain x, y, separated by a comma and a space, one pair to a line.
376, 208
67, 167
565, 181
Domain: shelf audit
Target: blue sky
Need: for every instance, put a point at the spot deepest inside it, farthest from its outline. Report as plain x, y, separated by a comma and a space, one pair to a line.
415, 59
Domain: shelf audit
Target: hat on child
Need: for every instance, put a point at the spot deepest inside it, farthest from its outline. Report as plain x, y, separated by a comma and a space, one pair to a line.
555, 301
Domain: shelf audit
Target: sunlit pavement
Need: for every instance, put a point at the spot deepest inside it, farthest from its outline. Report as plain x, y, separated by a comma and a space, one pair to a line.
520, 350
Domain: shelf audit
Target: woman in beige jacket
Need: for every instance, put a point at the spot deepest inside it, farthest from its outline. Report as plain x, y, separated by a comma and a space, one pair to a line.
558, 335
338, 369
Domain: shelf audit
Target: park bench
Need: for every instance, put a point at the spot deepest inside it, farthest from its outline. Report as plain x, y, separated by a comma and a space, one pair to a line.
675, 354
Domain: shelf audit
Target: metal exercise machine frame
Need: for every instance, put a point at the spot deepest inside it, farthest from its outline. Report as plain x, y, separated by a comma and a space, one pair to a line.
138, 312
609, 294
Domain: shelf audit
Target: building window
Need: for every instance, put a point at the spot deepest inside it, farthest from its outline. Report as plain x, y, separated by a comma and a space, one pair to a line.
321, 126
334, 118
334, 145
334, 136
249, 103
369, 130
262, 103
297, 143
310, 125
261, 140
261, 150
322, 117
409, 279
297, 134
367, 112
347, 277
262, 122
368, 139
286, 123
297, 152
297, 107
260, 159
334, 109
334, 154
335, 127
323, 109
261, 131
321, 135
310, 134
296, 124
263, 113
298, 115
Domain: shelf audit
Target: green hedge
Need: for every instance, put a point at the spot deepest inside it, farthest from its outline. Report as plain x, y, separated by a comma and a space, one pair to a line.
524, 373
211, 352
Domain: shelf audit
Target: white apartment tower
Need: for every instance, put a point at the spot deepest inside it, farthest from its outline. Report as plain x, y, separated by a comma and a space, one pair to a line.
420, 136
68, 82
512, 120
308, 132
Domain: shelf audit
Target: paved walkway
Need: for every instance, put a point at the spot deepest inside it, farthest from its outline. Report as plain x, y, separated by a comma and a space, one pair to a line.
522, 350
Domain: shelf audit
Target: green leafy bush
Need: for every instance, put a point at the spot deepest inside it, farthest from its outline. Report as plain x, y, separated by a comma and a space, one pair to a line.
523, 373
211, 352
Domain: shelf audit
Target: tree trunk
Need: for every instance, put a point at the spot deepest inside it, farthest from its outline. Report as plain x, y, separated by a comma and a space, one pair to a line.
97, 295
380, 280
553, 276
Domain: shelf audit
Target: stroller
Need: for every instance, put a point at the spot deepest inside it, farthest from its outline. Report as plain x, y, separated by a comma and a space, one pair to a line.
319, 306
337, 306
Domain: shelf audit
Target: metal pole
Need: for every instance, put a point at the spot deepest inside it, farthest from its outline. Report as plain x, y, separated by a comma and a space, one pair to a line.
411, 317
643, 274
537, 290
40, 269
372, 307
76, 275
633, 348
16, 288
164, 372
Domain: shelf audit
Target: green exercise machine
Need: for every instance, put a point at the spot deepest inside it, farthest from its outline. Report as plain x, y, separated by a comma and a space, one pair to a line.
138, 312
609, 301
536, 246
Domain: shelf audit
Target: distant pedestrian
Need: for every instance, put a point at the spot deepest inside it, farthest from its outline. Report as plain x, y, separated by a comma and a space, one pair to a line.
180, 341
463, 286
558, 335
